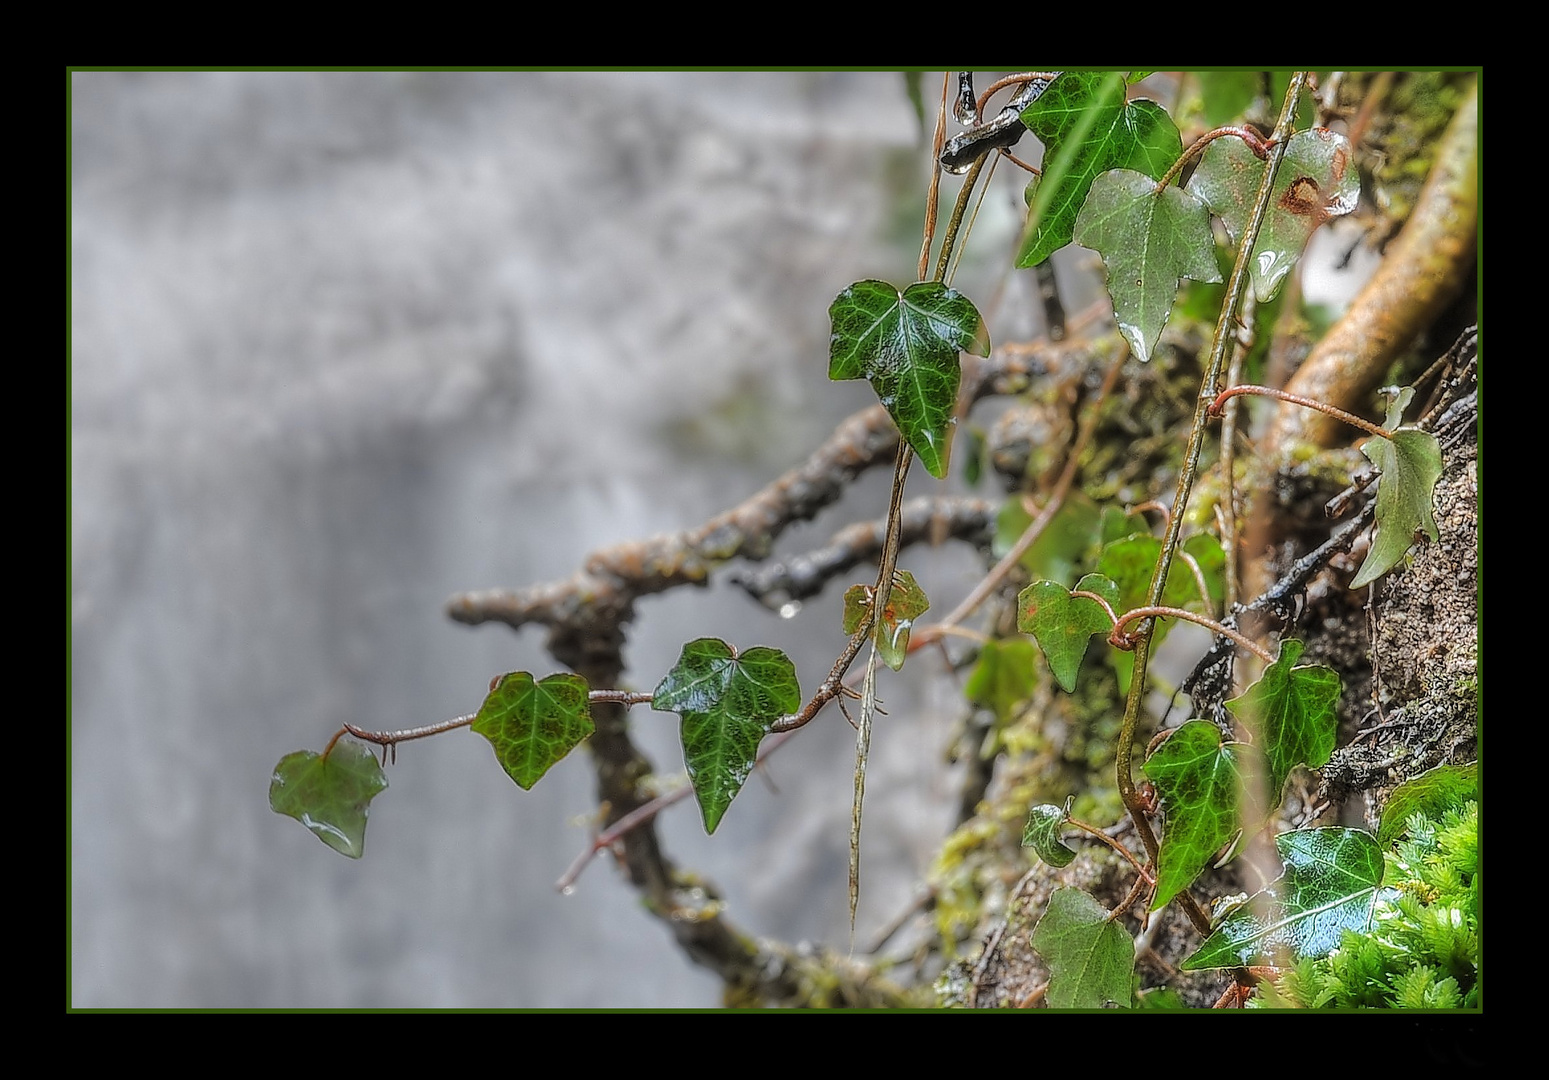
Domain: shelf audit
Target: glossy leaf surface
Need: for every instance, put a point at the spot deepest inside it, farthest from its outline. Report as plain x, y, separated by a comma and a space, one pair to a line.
1005, 675
1432, 793
331, 796
1316, 181
907, 344
532, 725
1091, 960
1410, 465
1329, 886
1087, 128
1042, 834
1149, 240
1291, 712
1200, 781
1064, 623
727, 702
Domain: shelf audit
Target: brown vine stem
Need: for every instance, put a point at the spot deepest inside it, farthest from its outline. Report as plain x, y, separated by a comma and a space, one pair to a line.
933, 196
1120, 640
991, 581
1011, 80
626, 698
1297, 399
1224, 333
959, 208
1246, 134
1140, 869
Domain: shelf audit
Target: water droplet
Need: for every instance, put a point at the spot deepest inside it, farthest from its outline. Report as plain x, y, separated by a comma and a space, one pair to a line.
789, 609
960, 169
568, 890
966, 113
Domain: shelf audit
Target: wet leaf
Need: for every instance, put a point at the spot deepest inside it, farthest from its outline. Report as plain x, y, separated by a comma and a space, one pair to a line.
1290, 711
1200, 781
906, 344
1330, 885
1064, 623
532, 725
727, 702
1042, 834
1005, 676
1316, 182
906, 602
1409, 466
1091, 960
1149, 240
331, 796
1432, 793
1087, 128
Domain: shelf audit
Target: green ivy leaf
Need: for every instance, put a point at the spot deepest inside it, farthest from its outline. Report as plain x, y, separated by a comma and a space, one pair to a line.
1225, 95
1130, 562
727, 702
1042, 834
906, 602
1290, 711
1409, 466
329, 795
532, 725
1064, 623
1329, 886
1315, 182
1004, 677
1087, 128
1091, 960
1200, 782
906, 344
1432, 793
1149, 241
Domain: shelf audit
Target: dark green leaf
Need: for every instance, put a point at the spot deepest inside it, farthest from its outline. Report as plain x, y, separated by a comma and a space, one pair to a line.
1130, 562
532, 725
1149, 240
727, 703
331, 796
1042, 834
1064, 623
1432, 793
1062, 548
1409, 465
1330, 885
906, 344
1290, 711
1087, 128
1091, 960
1200, 782
1004, 677
1315, 182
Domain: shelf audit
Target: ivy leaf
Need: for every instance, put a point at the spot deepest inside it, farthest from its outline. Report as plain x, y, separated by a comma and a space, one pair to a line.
1290, 711
1064, 623
1409, 466
907, 344
532, 725
1432, 793
1329, 886
330, 795
1315, 182
1091, 960
1130, 562
1004, 677
1087, 128
727, 702
1149, 241
1042, 834
1200, 782
906, 602
1225, 95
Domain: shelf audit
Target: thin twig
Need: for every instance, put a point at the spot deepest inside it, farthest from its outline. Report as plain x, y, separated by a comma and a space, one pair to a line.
932, 198
1120, 640
1297, 399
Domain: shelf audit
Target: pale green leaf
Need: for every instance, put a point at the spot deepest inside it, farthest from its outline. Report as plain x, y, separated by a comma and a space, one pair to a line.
1091, 960
329, 795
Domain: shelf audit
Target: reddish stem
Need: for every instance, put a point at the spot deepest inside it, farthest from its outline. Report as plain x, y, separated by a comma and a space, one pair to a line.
1259, 147
1119, 640
1296, 399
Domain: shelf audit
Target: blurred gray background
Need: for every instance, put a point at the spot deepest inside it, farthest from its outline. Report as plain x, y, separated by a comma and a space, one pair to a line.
345, 344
